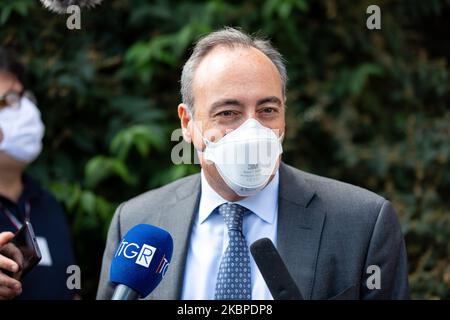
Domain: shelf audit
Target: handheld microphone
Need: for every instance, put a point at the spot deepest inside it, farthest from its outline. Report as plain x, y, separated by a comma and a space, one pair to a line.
275, 273
60, 6
140, 262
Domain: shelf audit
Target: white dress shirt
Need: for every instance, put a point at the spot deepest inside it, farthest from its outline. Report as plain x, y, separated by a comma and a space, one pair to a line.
209, 240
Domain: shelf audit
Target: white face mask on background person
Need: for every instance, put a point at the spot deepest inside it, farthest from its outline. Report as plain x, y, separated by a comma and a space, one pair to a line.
22, 130
245, 157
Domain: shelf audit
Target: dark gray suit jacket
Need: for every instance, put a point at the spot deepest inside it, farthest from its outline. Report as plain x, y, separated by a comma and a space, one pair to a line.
329, 233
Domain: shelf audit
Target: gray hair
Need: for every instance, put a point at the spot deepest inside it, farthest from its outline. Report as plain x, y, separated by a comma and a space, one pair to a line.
231, 38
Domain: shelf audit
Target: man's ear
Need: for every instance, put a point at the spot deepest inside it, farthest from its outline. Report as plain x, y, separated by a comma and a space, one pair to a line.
186, 123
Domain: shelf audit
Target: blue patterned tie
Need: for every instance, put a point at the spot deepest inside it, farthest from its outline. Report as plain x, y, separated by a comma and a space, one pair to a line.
234, 278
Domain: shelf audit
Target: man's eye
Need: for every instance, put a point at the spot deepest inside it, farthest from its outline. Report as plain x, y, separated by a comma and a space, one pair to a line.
226, 113
268, 110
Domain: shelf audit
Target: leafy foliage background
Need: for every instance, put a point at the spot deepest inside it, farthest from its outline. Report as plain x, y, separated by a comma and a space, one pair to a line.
367, 107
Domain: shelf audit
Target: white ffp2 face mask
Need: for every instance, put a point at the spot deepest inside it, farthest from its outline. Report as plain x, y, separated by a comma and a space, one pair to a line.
22, 130
245, 157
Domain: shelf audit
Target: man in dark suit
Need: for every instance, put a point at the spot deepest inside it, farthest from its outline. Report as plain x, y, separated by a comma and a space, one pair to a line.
338, 241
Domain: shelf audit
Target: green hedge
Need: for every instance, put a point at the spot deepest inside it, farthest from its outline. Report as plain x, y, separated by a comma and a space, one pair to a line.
366, 107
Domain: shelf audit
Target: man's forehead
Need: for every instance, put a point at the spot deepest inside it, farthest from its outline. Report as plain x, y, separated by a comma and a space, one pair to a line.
238, 68
225, 58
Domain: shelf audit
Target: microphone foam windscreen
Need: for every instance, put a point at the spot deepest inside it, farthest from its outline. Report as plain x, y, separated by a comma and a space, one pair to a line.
275, 273
60, 6
142, 258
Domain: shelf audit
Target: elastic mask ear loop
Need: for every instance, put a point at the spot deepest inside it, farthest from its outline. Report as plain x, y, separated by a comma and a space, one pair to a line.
280, 142
205, 140
280, 138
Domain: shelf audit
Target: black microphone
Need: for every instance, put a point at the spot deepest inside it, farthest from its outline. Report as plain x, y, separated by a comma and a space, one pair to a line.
60, 6
278, 279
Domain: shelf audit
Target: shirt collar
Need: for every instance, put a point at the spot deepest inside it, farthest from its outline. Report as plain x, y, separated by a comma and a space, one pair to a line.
264, 204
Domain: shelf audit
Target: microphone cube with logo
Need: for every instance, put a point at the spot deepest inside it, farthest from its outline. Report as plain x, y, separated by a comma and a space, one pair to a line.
142, 259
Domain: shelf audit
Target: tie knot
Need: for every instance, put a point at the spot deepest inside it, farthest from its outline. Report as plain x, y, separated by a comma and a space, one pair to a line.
233, 215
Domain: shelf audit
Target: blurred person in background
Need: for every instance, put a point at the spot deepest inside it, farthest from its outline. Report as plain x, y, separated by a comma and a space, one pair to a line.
22, 198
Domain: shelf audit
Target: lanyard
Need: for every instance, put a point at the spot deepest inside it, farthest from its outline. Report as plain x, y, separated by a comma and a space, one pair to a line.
12, 218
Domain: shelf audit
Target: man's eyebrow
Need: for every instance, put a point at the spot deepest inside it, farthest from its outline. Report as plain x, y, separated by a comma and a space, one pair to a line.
271, 99
225, 102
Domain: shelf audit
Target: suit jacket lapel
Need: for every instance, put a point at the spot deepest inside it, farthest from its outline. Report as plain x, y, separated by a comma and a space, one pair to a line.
177, 218
299, 228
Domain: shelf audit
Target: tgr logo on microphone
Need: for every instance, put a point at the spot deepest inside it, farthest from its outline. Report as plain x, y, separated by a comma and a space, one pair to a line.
131, 250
